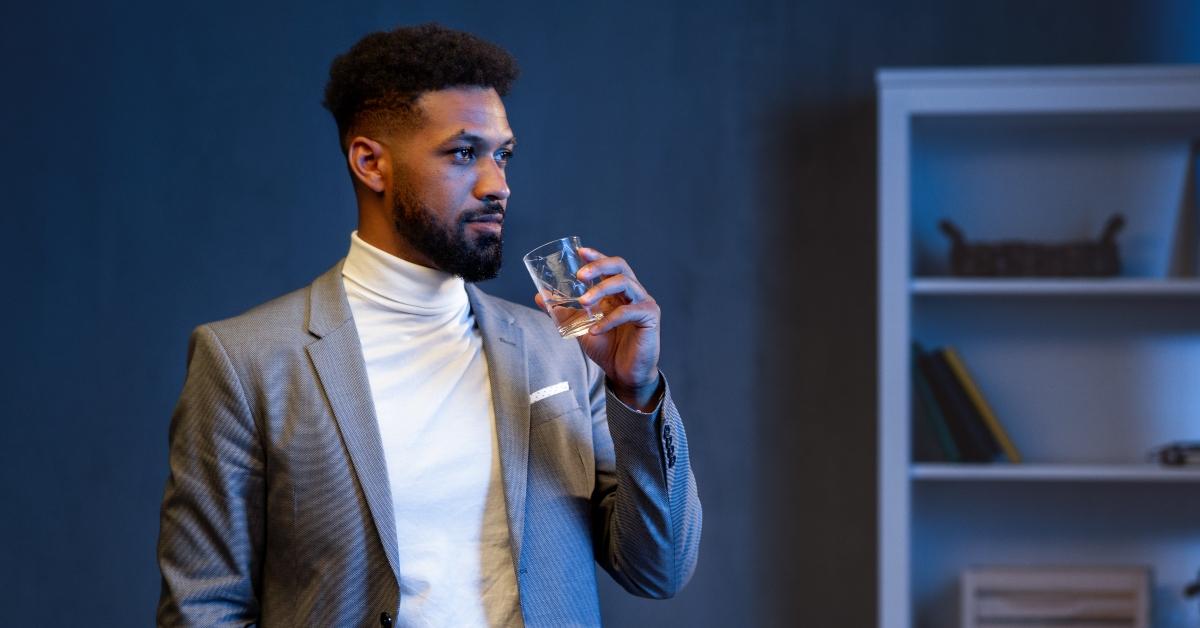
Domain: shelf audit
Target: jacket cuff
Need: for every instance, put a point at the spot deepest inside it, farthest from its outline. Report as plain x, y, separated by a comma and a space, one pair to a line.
631, 428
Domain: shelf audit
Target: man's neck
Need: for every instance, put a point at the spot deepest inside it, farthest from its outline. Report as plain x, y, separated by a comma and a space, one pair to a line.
381, 234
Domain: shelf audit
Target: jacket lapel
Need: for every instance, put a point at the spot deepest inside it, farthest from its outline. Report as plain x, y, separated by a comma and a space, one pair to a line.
504, 345
337, 356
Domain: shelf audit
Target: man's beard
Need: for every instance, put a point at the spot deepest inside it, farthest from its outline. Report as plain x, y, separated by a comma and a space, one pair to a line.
450, 248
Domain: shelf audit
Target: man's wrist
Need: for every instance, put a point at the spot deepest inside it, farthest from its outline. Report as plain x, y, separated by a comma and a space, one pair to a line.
640, 398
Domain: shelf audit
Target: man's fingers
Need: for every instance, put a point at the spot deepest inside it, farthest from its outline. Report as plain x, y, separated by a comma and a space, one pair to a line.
605, 266
614, 285
590, 254
643, 314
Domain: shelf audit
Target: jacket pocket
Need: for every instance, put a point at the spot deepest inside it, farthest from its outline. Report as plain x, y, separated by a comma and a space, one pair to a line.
551, 408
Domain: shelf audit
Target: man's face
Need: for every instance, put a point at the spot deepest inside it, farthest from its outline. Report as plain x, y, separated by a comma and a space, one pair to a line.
449, 187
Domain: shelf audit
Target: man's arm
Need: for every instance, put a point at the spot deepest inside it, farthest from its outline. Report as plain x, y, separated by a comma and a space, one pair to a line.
646, 512
212, 525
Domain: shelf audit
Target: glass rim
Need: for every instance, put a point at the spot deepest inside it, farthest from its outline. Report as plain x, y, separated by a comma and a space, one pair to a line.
526, 257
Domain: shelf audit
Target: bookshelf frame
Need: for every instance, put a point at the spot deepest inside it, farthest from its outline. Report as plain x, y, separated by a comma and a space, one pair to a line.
1167, 93
1148, 473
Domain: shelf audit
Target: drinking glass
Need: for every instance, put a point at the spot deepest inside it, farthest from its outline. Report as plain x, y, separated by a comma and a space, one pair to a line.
553, 266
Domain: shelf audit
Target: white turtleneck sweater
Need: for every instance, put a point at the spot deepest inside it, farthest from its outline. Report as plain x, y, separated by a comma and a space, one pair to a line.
433, 401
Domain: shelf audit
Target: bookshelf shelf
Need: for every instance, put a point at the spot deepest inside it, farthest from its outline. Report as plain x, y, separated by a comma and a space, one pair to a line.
1076, 370
937, 472
1119, 288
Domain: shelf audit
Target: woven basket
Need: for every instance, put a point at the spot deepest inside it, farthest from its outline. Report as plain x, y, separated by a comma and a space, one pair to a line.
1027, 259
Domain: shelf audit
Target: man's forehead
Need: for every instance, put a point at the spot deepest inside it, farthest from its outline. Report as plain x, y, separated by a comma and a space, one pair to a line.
457, 112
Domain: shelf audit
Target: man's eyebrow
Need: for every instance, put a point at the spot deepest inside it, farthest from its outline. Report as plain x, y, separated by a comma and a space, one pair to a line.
473, 138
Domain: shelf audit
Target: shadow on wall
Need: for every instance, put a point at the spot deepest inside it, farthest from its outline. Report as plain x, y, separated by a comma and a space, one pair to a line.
817, 356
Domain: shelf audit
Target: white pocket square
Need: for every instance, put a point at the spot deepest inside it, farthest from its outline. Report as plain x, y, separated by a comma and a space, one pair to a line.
548, 391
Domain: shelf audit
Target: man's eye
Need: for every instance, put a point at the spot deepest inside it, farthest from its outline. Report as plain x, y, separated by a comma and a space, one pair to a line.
464, 154
503, 156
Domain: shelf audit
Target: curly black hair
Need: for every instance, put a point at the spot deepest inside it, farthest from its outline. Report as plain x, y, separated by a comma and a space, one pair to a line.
372, 86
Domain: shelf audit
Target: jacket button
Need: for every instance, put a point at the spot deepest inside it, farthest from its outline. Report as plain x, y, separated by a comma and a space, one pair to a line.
385, 620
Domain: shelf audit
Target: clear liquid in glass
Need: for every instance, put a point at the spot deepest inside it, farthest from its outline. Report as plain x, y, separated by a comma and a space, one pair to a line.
572, 318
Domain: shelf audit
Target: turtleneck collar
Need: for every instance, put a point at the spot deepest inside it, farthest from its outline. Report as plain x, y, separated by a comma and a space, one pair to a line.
400, 284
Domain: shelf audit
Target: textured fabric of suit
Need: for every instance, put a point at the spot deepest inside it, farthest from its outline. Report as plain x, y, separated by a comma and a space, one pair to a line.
277, 510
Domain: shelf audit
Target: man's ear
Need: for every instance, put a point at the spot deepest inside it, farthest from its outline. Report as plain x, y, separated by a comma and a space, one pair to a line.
369, 163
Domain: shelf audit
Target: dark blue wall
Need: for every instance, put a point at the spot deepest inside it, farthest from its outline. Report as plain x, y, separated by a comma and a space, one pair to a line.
165, 165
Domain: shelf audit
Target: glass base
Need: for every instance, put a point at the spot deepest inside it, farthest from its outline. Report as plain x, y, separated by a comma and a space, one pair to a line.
578, 325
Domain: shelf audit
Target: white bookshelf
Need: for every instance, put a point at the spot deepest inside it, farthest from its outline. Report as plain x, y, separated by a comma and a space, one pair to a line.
1051, 473
1063, 288
1087, 375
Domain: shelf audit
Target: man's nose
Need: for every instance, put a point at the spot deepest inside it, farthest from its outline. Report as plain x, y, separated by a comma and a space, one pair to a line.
492, 183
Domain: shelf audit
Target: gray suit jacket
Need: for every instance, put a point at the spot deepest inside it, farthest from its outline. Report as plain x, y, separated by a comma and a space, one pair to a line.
278, 512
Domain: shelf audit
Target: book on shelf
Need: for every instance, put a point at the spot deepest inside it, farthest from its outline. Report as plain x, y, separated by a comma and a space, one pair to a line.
953, 410
969, 431
981, 405
925, 446
932, 440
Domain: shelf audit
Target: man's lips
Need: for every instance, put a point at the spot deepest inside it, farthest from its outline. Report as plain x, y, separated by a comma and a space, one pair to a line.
488, 222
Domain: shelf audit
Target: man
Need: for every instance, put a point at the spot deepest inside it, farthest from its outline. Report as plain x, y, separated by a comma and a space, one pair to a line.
390, 445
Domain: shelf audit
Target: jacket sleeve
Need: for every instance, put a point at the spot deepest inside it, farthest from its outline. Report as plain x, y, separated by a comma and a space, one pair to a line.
211, 530
646, 512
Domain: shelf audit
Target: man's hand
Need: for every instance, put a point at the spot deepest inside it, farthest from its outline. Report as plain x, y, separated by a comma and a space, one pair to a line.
625, 343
